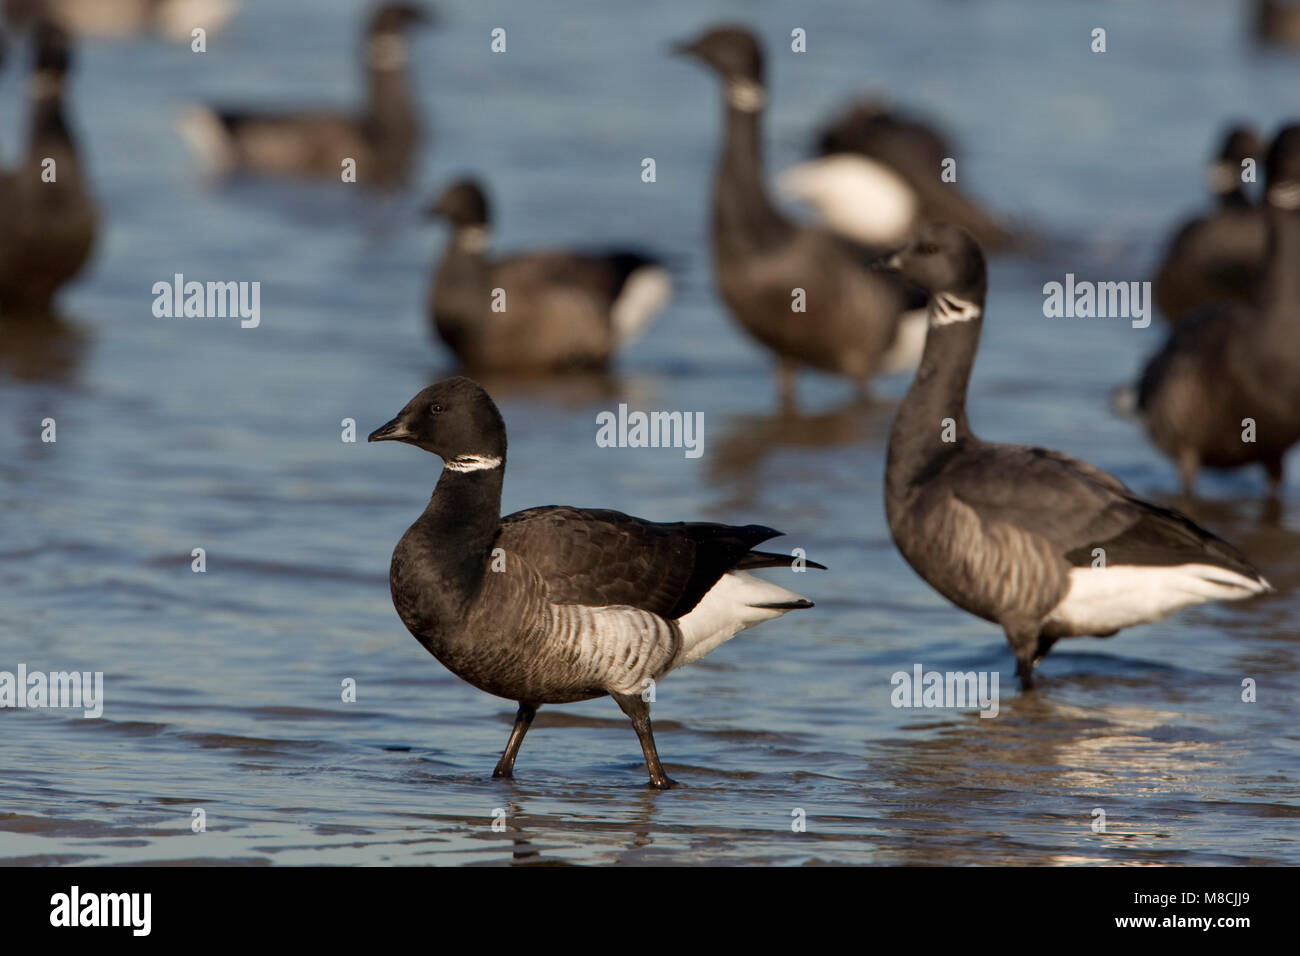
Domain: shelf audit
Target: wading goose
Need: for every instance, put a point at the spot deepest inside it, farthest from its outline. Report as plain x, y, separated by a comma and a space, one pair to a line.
878, 176
805, 293
49, 214
381, 139
543, 311
1224, 391
1218, 257
1042, 544
556, 604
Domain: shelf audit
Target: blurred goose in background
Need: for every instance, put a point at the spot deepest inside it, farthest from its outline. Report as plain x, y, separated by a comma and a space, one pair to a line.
1218, 257
1277, 22
544, 311
174, 19
853, 323
557, 604
1224, 391
48, 226
877, 178
382, 138
1042, 544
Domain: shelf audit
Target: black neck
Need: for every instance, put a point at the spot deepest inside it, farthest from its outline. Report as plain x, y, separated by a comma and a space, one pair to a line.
1281, 283
389, 103
742, 211
48, 126
1234, 199
461, 522
917, 444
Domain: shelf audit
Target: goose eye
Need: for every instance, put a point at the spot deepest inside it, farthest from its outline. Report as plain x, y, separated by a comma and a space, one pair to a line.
927, 248
435, 409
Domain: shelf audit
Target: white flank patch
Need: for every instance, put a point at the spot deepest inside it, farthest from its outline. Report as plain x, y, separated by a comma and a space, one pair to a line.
646, 291
204, 133
727, 609
909, 343
1102, 600
855, 196
177, 18
472, 463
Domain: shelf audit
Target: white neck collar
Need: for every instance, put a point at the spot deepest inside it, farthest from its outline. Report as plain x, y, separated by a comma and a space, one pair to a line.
946, 308
1224, 178
386, 51
465, 463
472, 239
745, 95
1285, 195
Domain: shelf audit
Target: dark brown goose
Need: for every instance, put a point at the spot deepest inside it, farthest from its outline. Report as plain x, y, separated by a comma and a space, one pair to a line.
49, 217
1277, 22
556, 604
1218, 257
1041, 544
544, 311
381, 138
765, 264
1224, 391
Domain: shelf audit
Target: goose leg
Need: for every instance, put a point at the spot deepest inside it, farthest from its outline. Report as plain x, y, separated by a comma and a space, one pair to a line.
785, 377
523, 720
1189, 463
1275, 478
1024, 641
638, 711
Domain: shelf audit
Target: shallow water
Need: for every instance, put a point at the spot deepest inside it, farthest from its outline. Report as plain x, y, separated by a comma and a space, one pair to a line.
223, 689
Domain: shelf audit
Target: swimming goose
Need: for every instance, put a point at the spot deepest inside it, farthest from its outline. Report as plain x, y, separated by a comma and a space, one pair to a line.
50, 216
382, 139
1224, 391
542, 311
556, 604
1042, 544
174, 19
766, 265
1218, 257
878, 176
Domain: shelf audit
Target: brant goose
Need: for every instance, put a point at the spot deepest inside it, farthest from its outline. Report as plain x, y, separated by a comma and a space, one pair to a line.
1277, 22
382, 138
49, 223
538, 311
1042, 544
174, 19
852, 322
1218, 257
556, 604
878, 176
1224, 391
